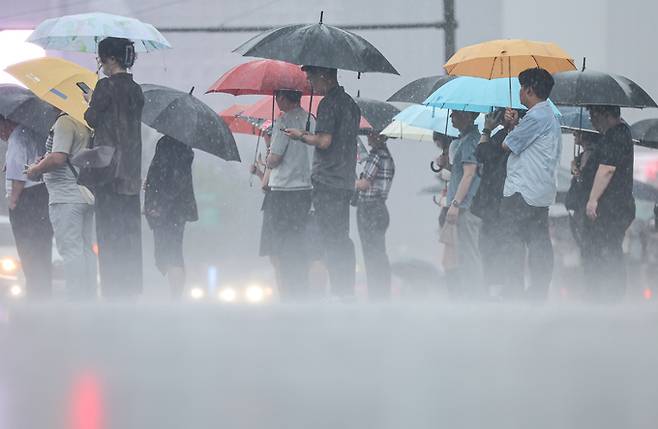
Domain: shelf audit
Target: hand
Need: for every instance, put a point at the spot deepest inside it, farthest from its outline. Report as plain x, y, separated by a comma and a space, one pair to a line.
253, 168
511, 118
492, 120
362, 184
452, 215
294, 133
443, 161
592, 208
12, 205
575, 171
32, 173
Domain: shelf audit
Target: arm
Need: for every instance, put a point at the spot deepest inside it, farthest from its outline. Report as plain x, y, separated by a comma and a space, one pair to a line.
522, 136
273, 160
17, 187
320, 140
601, 181
51, 162
369, 172
100, 101
462, 190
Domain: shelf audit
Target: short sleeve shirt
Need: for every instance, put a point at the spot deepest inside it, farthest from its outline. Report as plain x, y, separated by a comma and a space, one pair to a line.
616, 150
338, 115
294, 171
69, 137
463, 152
22, 148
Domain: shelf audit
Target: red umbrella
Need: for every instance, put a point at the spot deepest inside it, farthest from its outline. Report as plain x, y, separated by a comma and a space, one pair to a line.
262, 109
262, 77
236, 124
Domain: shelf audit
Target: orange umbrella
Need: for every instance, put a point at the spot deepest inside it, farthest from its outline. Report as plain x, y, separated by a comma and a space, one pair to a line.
236, 124
508, 58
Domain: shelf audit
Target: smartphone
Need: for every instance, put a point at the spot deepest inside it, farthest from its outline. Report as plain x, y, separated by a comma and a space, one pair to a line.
83, 87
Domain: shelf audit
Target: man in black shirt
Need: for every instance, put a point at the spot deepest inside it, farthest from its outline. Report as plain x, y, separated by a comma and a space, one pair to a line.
608, 175
334, 174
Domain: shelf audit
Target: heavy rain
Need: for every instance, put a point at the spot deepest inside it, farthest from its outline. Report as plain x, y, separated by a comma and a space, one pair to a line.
346, 214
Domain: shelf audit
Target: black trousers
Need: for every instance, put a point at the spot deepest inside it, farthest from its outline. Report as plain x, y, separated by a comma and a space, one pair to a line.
526, 234
119, 234
332, 213
33, 235
373, 221
603, 257
288, 225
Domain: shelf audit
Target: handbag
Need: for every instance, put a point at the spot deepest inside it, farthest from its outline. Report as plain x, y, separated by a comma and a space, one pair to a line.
97, 165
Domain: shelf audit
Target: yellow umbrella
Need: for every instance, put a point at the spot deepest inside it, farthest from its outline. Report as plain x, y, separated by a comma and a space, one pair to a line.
508, 58
58, 82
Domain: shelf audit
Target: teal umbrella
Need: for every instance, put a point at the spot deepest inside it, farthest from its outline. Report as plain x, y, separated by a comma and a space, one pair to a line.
431, 118
82, 33
474, 94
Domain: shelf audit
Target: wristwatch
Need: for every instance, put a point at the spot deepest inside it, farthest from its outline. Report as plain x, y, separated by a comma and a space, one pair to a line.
486, 131
455, 203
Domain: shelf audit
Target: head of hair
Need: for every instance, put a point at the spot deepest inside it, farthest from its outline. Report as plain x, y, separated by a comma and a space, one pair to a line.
122, 50
292, 96
326, 72
539, 80
613, 111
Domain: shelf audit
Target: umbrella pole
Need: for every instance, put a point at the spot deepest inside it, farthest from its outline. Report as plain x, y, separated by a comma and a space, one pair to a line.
447, 117
310, 107
260, 133
509, 63
273, 100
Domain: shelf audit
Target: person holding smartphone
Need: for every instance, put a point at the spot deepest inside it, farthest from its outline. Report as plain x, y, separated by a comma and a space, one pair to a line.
115, 113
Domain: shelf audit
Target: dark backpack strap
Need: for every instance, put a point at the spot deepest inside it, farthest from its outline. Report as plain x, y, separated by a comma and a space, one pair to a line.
68, 162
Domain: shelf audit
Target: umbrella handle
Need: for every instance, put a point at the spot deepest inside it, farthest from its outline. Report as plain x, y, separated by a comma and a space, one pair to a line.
310, 107
434, 168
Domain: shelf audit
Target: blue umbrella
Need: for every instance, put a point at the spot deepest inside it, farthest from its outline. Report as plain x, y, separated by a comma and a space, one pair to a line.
474, 94
431, 118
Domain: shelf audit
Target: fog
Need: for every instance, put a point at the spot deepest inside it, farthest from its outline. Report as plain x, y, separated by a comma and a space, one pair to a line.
422, 361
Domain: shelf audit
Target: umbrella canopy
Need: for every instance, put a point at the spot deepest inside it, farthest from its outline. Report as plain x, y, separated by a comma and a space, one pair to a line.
400, 130
590, 87
507, 58
317, 45
417, 91
429, 118
575, 119
378, 113
23, 107
82, 33
236, 123
186, 118
646, 131
473, 94
262, 77
57, 82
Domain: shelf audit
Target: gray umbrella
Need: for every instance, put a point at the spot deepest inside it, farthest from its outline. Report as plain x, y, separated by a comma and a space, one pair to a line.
646, 131
590, 87
575, 119
186, 118
378, 113
20, 105
317, 45
417, 91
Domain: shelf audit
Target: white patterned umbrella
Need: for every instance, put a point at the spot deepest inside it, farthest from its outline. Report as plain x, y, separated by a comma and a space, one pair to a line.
82, 33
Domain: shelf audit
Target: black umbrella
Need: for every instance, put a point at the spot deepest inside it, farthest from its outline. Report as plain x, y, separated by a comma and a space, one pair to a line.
20, 105
418, 90
378, 113
646, 131
317, 45
590, 87
186, 118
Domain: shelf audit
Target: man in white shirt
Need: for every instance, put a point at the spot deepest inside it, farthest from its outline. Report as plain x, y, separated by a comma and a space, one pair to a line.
28, 208
289, 198
530, 187
71, 206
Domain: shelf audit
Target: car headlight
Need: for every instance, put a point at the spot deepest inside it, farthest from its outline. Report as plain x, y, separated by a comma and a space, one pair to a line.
9, 265
254, 294
197, 293
227, 294
16, 291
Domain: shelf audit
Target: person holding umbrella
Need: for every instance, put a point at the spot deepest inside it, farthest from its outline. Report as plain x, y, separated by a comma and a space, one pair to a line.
71, 206
530, 187
333, 174
168, 204
115, 113
28, 208
610, 209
